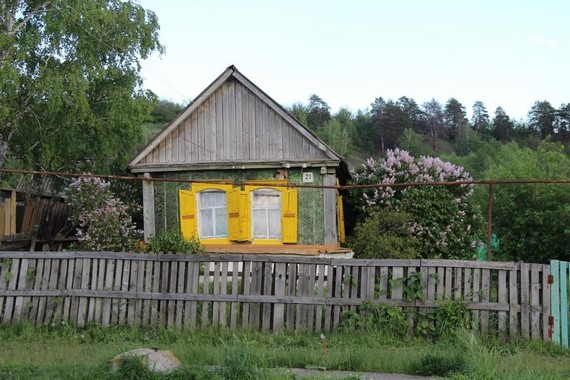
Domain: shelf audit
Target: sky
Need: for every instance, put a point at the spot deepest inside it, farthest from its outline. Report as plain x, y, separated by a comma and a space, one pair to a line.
502, 52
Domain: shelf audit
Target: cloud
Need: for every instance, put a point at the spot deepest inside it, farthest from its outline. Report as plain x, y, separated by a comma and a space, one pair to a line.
544, 41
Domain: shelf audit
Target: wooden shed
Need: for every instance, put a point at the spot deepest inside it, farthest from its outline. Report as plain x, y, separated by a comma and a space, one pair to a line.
246, 156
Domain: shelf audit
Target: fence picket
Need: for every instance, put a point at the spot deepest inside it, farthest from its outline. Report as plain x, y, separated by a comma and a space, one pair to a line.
279, 308
502, 298
513, 303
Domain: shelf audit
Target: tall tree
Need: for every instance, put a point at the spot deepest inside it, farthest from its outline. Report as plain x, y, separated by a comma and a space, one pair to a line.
542, 117
364, 133
412, 111
454, 118
563, 124
433, 120
502, 128
319, 113
389, 121
72, 95
480, 120
300, 112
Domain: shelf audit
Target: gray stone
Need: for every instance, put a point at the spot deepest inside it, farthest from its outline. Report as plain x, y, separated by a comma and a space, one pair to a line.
160, 361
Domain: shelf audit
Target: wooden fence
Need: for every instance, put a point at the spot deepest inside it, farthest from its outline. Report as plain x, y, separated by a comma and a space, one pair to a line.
261, 291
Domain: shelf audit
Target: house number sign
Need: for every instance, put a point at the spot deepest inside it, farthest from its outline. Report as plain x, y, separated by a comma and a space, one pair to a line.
308, 177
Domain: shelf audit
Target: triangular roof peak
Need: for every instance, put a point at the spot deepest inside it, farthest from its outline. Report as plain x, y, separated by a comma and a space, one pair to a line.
238, 110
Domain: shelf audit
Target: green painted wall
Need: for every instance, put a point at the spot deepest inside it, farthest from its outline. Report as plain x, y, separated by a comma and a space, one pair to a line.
310, 201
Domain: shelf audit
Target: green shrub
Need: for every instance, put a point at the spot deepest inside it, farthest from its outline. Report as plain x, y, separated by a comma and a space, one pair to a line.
174, 242
385, 234
440, 364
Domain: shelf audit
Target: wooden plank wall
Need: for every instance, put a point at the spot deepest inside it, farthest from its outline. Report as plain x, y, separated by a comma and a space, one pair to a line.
261, 291
234, 125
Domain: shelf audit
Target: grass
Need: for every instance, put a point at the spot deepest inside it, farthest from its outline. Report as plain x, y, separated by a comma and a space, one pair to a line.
61, 351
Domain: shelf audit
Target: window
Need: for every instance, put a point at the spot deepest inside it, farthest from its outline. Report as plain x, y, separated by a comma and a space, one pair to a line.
266, 214
224, 214
212, 214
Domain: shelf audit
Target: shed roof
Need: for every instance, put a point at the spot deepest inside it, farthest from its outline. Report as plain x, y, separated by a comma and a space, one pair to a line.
233, 123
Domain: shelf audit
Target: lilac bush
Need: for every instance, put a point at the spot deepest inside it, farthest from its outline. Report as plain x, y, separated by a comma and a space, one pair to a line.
444, 219
104, 221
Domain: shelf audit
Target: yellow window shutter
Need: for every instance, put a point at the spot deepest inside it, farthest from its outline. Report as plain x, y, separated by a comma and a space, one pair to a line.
289, 214
238, 221
188, 222
340, 218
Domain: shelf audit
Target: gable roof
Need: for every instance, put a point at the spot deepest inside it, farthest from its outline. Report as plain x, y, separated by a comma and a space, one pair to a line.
233, 123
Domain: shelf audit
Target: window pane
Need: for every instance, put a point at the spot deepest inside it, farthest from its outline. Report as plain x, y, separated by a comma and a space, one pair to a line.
260, 224
274, 224
266, 198
212, 199
206, 223
221, 222
213, 221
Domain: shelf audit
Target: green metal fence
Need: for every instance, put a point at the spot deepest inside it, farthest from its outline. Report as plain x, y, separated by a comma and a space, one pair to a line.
559, 301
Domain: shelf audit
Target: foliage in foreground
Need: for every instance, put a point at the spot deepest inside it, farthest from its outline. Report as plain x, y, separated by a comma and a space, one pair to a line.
72, 94
532, 221
444, 219
104, 221
173, 242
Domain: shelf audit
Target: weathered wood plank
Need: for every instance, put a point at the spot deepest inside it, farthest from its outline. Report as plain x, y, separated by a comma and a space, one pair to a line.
396, 290
256, 289
83, 301
139, 287
246, 274
180, 306
171, 288
267, 290
40, 318
61, 285
155, 316
502, 288
107, 303
279, 309
525, 300
30, 279
216, 291
535, 331
513, 303
90, 317
302, 291
52, 285
234, 308
311, 272
125, 278
21, 285
205, 290
12, 282
485, 293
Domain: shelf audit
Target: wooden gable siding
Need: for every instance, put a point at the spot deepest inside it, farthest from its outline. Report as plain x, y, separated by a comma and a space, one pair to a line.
233, 125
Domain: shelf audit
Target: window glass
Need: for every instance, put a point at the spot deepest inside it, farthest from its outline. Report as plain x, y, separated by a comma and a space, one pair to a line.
213, 215
266, 214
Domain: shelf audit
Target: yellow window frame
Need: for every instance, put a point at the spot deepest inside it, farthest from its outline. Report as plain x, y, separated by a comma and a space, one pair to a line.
238, 201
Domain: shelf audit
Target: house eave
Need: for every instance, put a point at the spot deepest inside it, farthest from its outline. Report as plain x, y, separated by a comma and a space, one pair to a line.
182, 167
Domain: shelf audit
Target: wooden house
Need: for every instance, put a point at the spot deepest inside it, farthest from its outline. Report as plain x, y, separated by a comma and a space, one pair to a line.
245, 156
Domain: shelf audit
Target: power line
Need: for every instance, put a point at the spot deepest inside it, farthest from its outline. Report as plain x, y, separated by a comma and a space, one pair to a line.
291, 185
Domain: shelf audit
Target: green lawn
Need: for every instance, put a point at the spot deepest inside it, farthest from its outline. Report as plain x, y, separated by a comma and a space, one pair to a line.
66, 353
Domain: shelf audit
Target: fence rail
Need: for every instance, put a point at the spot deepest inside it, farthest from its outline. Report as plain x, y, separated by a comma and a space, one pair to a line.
261, 291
